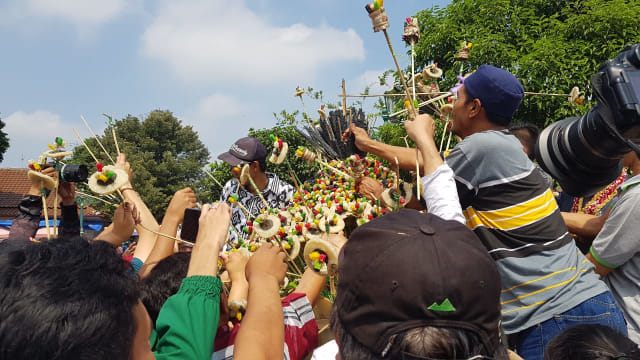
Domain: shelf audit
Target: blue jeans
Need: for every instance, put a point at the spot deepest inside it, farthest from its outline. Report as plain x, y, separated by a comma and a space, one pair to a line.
600, 309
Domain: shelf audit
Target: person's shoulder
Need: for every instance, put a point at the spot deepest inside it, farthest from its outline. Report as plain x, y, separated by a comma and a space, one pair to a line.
489, 143
277, 181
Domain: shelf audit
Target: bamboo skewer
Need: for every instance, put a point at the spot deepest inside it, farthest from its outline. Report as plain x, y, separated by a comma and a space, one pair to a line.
444, 92
344, 100
85, 145
142, 225
213, 178
98, 140
424, 103
244, 209
400, 74
323, 163
167, 235
304, 109
413, 83
44, 208
393, 95
448, 140
444, 133
55, 212
113, 131
258, 191
94, 197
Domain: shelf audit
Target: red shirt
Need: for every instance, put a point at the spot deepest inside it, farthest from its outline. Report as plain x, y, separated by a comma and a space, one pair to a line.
300, 330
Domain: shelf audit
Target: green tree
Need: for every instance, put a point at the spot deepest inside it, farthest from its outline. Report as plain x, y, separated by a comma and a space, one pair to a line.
165, 155
551, 46
4, 141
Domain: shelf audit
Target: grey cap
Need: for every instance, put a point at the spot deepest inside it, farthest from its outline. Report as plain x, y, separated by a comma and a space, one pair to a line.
245, 150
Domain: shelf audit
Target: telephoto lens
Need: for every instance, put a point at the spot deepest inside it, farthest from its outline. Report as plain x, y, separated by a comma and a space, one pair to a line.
73, 173
583, 154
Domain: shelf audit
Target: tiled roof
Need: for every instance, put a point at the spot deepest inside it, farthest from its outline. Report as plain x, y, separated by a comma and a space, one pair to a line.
14, 185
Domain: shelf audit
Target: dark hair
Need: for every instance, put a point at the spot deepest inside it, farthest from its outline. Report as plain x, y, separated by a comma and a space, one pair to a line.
66, 300
422, 342
163, 281
493, 118
263, 164
528, 135
591, 342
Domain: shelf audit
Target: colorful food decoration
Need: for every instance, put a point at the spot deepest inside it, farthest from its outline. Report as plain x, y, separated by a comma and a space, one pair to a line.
305, 154
463, 53
36, 176
432, 71
322, 113
299, 92
56, 151
575, 97
411, 33
279, 153
107, 179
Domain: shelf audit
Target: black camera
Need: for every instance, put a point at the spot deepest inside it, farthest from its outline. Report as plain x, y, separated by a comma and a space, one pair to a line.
583, 154
72, 173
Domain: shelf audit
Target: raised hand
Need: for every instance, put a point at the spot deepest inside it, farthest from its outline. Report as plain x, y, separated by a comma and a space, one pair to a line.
182, 199
267, 263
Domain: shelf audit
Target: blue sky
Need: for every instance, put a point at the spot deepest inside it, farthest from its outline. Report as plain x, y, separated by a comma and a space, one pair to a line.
220, 66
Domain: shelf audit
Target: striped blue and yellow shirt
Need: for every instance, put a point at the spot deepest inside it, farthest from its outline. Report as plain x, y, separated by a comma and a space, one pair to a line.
507, 204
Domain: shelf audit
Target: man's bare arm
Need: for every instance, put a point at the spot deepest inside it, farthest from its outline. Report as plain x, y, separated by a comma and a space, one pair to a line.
406, 156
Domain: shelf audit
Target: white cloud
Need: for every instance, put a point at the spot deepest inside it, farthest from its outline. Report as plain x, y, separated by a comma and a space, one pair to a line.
29, 134
85, 15
217, 40
220, 119
371, 80
219, 106
78, 11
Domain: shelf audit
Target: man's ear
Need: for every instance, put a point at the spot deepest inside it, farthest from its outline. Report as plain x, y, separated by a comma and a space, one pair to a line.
474, 107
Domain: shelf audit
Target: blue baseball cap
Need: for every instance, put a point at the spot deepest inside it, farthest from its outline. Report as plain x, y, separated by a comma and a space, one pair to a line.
498, 90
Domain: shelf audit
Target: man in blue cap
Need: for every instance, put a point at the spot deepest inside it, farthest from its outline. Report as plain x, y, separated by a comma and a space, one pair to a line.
547, 284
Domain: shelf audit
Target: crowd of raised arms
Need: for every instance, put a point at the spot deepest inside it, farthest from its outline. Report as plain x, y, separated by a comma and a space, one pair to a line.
489, 262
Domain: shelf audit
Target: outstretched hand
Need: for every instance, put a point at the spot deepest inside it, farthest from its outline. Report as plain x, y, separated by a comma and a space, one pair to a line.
360, 134
213, 228
421, 128
267, 263
213, 225
370, 188
123, 164
182, 199
124, 221
236, 262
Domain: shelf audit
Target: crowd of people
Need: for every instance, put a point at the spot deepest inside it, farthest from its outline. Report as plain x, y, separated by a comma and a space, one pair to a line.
490, 270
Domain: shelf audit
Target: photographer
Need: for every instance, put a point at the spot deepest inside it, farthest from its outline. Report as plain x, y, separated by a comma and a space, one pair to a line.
615, 251
27, 222
506, 203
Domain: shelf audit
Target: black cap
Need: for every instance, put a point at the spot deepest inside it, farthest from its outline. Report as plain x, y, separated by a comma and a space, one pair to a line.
245, 150
406, 270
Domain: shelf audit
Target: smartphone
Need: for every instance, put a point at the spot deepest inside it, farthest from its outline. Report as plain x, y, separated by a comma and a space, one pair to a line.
189, 230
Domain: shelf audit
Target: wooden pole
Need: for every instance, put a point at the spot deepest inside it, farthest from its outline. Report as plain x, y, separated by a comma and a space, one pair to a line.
344, 100
400, 74
98, 140
85, 145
